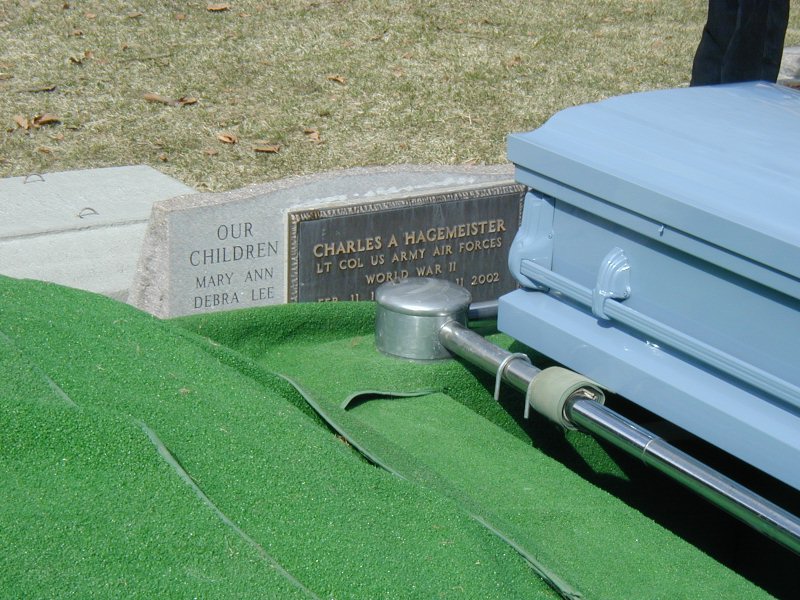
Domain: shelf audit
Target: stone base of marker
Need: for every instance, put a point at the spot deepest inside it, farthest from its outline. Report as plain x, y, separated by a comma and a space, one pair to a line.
330, 236
82, 229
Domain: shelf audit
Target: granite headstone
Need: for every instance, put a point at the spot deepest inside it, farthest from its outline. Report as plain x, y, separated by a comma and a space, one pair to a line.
330, 236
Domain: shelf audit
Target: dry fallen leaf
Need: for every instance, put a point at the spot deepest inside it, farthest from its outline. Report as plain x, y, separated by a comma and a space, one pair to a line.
44, 150
227, 138
42, 88
76, 33
218, 7
58, 137
337, 79
158, 99
162, 157
21, 122
134, 15
267, 148
312, 135
180, 17
90, 15
210, 151
78, 59
45, 119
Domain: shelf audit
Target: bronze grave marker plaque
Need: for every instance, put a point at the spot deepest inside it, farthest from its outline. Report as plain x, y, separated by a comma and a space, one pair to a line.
344, 253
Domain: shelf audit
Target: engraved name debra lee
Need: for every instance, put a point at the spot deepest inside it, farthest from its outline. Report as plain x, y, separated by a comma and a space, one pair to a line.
233, 252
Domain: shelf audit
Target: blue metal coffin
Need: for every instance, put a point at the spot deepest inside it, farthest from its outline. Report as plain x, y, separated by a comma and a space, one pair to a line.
659, 254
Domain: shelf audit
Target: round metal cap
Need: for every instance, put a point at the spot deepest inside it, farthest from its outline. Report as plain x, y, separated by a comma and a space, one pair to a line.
412, 311
423, 296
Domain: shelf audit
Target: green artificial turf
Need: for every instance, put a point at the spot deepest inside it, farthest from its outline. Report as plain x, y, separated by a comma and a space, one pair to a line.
148, 458
139, 461
454, 438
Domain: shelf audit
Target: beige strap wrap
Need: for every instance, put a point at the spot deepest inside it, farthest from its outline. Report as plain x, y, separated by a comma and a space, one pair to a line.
549, 391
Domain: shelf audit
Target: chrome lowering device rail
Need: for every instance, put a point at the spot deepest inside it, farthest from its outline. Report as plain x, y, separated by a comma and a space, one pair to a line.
425, 319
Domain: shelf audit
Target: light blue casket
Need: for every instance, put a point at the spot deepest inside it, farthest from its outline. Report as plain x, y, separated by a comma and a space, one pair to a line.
659, 254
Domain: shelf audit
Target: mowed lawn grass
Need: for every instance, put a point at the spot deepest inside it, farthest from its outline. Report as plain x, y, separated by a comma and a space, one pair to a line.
259, 90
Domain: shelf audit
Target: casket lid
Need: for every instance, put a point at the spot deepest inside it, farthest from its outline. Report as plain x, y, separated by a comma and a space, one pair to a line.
718, 163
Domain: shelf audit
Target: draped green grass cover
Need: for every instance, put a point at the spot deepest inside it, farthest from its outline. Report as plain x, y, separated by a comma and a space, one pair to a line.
255, 500
144, 458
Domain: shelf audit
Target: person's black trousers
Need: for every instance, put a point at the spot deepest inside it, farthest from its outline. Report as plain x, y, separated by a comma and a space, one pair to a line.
742, 41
